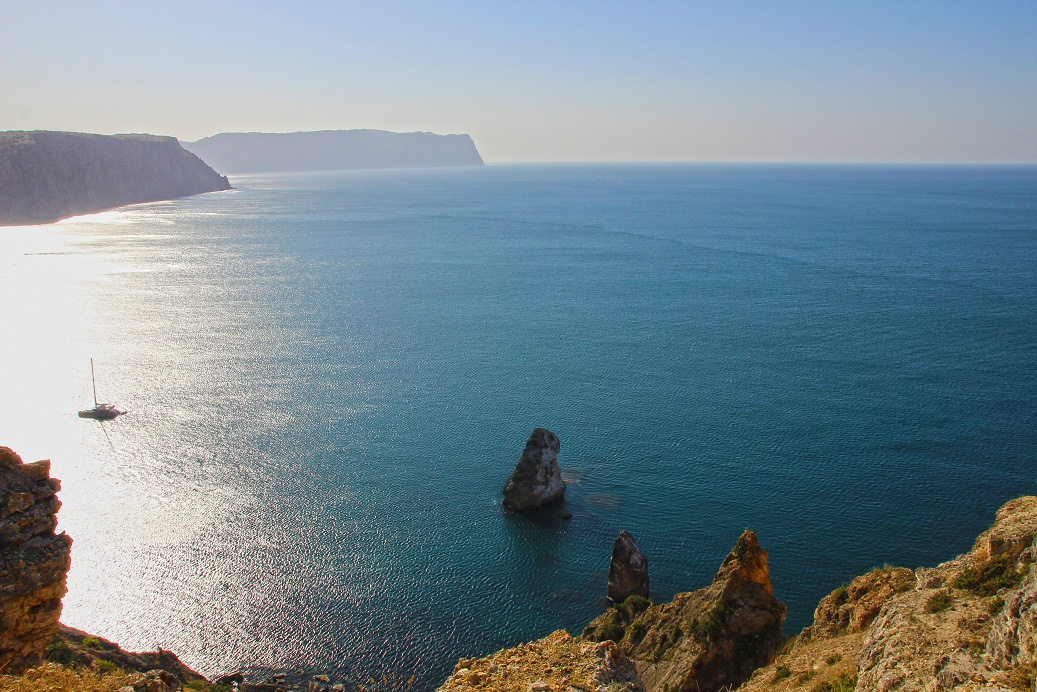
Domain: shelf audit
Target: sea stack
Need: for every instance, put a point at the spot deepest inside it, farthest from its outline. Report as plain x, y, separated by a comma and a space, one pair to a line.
33, 561
628, 573
537, 480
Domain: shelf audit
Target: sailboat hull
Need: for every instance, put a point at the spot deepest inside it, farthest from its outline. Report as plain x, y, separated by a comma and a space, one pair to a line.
101, 413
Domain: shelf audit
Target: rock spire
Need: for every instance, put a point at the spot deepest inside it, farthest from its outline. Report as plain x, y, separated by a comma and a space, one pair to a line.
628, 572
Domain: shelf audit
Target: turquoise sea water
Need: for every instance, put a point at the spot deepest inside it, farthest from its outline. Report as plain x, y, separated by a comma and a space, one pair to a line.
330, 377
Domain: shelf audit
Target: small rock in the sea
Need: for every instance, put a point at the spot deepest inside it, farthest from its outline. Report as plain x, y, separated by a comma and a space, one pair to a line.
230, 678
565, 514
628, 572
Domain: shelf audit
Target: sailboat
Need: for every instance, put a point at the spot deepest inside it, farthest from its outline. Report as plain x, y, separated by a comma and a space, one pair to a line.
99, 411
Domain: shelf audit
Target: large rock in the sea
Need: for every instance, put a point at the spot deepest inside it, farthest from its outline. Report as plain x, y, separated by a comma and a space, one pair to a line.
33, 561
46, 176
537, 480
556, 662
709, 640
333, 150
628, 571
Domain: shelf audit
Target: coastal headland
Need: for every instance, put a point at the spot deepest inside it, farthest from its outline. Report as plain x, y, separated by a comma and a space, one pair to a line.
331, 150
47, 176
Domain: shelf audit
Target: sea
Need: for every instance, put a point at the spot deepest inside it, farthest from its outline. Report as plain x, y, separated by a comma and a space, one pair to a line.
330, 376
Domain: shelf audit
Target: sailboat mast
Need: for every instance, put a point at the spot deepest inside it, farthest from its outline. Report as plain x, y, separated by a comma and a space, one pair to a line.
93, 381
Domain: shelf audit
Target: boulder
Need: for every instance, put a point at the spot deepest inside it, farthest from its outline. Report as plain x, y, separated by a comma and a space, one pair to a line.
628, 572
537, 480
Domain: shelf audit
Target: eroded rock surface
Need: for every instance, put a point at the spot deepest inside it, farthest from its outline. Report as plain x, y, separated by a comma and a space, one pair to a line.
555, 663
628, 571
708, 640
968, 624
537, 479
853, 607
33, 561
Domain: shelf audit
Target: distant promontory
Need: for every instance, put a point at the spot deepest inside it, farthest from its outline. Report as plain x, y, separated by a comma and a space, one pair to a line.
329, 150
46, 176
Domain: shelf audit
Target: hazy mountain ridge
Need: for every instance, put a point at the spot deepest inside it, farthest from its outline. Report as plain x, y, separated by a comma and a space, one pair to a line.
46, 176
324, 150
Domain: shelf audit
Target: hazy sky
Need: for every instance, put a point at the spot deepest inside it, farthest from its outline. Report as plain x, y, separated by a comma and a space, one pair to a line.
544, 81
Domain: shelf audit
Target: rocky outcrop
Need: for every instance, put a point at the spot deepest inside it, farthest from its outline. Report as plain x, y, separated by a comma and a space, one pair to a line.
851, 608
969, 624
537, 479
708, 640
33, 561
557, 662
334, 150
46, 176
80, 649
628, 571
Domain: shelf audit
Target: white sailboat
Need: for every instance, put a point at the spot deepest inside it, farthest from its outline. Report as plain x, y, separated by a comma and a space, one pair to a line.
99, 411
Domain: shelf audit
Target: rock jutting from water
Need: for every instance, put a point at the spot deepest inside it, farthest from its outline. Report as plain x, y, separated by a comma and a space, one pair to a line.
628, 571
537, 479
709, 640
33, 561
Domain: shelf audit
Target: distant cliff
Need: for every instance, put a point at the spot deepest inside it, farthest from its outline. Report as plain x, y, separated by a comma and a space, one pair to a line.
329, 150
46, 176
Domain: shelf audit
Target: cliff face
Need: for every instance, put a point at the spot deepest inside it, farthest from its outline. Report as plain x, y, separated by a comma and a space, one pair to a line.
46, 176
330, 150
969, 624
706, 640
33, 561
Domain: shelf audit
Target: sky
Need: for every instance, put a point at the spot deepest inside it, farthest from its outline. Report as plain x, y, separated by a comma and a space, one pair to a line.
832, 80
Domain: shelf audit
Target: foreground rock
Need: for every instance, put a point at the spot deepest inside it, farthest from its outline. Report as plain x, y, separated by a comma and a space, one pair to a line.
707, 640
33, 561
72, 647
537, 479
46, 176
969, 624
628, 571
555, 663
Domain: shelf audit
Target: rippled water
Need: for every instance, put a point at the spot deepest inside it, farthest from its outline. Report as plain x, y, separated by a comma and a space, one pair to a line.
330, 376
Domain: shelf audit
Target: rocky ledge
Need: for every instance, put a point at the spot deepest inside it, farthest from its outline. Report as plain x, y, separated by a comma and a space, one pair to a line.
967, 625
47, 176
556, 662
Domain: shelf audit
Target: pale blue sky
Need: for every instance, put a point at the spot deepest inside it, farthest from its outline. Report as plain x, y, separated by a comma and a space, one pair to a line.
917, 81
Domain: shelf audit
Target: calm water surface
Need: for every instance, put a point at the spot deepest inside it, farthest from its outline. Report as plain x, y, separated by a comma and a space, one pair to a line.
330, 376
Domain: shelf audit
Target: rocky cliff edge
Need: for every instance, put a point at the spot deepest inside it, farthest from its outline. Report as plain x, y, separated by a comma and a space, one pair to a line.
46, 176
969, 624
